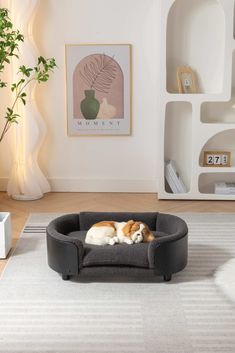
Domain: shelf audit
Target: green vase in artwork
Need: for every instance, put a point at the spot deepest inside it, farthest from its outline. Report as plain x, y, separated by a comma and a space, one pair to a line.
90, 105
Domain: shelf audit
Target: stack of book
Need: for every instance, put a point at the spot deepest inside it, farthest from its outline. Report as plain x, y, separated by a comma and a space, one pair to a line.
225, 188
173, 179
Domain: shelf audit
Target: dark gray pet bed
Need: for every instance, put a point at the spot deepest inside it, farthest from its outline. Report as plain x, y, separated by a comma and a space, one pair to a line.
69, 255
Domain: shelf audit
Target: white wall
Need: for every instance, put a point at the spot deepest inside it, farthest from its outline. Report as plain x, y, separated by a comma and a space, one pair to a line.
100, 163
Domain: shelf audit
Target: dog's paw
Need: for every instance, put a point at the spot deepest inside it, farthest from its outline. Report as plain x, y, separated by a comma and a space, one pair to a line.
116, 240
112, 241
129, 241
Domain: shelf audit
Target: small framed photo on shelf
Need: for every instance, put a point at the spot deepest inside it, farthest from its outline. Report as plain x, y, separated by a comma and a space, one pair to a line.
186, 80
217, 159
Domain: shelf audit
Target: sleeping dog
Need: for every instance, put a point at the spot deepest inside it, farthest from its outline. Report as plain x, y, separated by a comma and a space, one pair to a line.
111, 232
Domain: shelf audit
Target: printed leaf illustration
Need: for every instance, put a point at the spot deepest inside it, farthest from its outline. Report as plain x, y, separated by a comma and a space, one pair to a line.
99, 73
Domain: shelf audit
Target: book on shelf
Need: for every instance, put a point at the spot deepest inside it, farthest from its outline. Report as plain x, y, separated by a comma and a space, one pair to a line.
223, 188
173, 178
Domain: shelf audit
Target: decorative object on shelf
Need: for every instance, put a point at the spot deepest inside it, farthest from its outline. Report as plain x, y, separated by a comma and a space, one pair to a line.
26, 180
98, 89
217, 159
173, 178
223, 188
5, 234
186, 80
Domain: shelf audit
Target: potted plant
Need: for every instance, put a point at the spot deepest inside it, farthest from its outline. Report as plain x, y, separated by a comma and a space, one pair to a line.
5, 234
10, 38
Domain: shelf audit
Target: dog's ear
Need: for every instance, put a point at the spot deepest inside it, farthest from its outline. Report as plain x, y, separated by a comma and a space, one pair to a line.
135, 226
147, 234
127, 227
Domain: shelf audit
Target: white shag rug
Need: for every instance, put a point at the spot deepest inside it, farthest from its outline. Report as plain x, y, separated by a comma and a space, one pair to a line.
225, 279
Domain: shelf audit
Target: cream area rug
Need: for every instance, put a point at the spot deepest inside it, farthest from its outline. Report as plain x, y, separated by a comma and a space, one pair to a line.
225, 279
39, 312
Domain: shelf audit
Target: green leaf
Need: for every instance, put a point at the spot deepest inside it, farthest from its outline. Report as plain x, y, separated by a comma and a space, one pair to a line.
20, 82
3, 84
10, 111
13, 87
41, 60
23, 100
25, 71
15, 116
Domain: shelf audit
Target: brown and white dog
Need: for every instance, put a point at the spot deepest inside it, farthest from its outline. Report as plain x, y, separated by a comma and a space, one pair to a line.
111, 232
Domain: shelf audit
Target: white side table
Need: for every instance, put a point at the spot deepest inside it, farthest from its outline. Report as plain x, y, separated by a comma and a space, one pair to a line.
5, 234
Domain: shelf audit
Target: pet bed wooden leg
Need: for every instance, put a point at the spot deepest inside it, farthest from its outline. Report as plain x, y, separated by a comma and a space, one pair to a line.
65, 277
167, 277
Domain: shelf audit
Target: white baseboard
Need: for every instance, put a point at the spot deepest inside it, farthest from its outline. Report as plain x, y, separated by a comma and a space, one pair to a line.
96, 185
102, 185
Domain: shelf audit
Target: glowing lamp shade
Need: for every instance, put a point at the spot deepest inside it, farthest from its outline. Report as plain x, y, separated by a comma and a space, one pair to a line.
27, 181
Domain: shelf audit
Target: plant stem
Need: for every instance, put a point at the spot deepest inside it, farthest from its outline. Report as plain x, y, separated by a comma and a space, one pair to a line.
8, 122
4, 131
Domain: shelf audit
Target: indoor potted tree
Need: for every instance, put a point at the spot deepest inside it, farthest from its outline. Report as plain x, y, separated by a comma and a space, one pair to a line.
10, 39
26, 180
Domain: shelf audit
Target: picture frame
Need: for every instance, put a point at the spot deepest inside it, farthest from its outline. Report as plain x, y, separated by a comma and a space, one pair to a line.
186, 80
99, 89
217, 159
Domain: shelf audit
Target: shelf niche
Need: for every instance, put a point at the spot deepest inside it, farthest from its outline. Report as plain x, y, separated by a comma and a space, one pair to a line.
223, 141
234, 21
195, 37
206, 182
221, 112
178, 127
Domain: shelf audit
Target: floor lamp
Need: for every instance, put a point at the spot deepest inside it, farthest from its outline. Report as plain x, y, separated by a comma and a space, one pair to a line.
27, 181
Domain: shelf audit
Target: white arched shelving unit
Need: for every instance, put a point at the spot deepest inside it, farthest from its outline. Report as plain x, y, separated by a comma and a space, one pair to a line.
198, 33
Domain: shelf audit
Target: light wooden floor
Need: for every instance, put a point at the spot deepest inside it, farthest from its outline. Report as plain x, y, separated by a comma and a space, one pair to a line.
75, 202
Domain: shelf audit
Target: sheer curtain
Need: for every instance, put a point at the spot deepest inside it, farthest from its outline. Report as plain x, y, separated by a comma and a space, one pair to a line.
27, 181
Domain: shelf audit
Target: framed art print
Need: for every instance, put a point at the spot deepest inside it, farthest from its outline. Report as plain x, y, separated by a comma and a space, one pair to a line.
98, 89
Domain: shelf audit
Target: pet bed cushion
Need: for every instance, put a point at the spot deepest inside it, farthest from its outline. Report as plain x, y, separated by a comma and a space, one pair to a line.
119, 254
